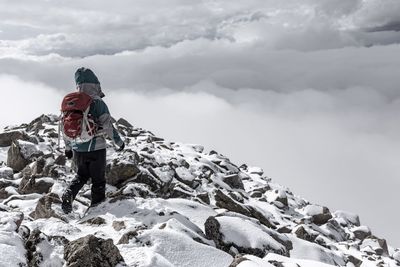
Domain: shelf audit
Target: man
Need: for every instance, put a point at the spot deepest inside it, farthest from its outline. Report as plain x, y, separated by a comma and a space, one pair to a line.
90, 157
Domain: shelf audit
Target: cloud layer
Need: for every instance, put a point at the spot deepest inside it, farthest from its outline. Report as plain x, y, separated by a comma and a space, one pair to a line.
306, 89
76, 29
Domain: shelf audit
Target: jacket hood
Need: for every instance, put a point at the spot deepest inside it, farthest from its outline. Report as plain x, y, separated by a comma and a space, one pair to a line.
85, 75
92, 89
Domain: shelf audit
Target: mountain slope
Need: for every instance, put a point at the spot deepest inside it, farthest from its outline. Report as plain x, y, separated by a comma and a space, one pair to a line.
168, 204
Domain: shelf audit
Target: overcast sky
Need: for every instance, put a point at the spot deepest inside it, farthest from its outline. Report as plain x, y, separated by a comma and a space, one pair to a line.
308, 89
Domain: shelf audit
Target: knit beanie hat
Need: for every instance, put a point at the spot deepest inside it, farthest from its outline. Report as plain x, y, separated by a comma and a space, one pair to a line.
84, 75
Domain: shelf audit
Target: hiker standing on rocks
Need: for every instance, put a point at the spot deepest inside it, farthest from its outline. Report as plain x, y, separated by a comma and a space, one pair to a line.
90, 152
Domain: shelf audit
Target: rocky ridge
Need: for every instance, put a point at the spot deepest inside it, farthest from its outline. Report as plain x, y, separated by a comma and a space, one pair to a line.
169, 204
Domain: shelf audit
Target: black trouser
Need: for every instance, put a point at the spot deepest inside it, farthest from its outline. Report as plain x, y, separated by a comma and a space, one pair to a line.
90, 165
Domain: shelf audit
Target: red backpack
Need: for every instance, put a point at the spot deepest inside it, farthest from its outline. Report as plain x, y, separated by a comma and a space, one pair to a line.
77, 124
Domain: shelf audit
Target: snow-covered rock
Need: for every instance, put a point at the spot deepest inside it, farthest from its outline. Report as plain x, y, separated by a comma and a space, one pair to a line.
6, 172
361, 232
345, 218
238, 235
319, 214
396, 256
12, 247
92, 251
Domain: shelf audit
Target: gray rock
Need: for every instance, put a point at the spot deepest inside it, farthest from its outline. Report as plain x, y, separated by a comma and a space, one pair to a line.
318, 214
43, 207
16, 217
127, 236
383, 250
179, 190
5, 183
362, 232
15, 160
4, 193
60, 160
37, 124
29, 185
214, 232
119, 172
357, 262
124, 122
33, 245
336, 232
20, 154
118, 225
38, 166
34, 257
7, 138
91, 251
95, 221
234, 181
6, 172
24, 232
204, 197
225, 202
302, 233
149, 178
323, 218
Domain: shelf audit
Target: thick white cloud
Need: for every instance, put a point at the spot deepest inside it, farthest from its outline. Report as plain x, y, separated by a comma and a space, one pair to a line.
76, 28
307, 89
21, 100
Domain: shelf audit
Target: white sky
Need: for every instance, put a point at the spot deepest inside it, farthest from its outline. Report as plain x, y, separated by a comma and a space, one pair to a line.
306, 89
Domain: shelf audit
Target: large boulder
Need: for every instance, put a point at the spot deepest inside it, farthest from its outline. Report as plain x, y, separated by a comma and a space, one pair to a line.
7, 138
225, 202
379, 245
346, 218
91, 251
335, 231
237, 235
118, 172
304, 233
29, 185
234, 181
319, 214
278, 197
21, 153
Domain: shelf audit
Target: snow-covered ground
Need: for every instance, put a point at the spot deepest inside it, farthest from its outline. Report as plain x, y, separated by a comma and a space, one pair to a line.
178, 206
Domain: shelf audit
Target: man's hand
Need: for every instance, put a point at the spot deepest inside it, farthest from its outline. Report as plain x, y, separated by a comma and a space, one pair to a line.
121, 147
69, 154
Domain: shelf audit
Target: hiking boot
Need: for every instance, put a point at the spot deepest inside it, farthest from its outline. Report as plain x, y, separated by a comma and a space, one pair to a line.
97, 202
67, 199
